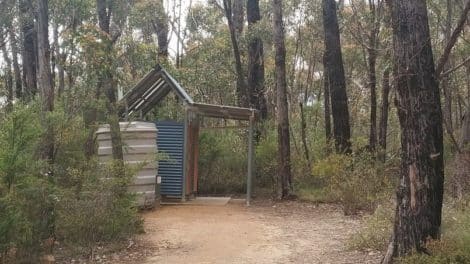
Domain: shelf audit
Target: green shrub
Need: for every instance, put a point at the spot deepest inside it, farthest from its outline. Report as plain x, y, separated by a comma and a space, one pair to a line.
454, 246
98, 211
15, 229
375, 234
26, 194
358, 181
266, 163
75, 200
222, 161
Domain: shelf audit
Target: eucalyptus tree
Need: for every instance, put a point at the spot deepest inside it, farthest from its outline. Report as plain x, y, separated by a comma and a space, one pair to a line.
107, 83
235, 29
420, 193
29, 45
8, 73
44, 78
282, 108
255, 60
334, 74
366, 24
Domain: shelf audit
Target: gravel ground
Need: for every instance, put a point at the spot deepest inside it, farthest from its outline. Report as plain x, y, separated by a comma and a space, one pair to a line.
265, 233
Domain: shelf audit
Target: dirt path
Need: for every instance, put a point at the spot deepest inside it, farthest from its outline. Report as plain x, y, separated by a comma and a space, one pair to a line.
290, 232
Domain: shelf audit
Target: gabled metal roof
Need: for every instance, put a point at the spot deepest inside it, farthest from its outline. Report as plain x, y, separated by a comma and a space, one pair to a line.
149, 91
156, 84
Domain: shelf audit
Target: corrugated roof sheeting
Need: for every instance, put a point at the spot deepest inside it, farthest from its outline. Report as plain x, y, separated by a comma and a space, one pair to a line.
158, 83
220, 111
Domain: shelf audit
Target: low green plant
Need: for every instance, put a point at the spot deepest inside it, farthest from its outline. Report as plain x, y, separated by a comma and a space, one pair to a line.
358, 181
222, 162
266, 176
26, 193
375, 233
454, 246
74, 200
100, 211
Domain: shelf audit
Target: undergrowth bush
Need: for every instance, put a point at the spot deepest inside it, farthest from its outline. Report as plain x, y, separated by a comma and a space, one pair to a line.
375, 234
266, 163
25, 193
222, 161
73, 200
97, 211
454, 246
358, 181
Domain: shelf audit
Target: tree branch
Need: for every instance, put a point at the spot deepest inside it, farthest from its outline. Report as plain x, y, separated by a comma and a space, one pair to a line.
453, 39
444, 74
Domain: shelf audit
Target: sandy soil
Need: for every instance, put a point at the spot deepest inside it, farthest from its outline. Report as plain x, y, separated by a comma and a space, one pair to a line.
289, 232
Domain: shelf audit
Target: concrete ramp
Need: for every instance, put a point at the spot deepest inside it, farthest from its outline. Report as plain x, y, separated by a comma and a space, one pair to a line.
212, 201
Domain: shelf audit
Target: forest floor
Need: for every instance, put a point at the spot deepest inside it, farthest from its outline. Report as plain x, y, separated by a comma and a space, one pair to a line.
266, 232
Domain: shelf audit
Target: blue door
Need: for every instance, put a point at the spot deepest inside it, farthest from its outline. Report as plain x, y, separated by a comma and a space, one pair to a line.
170, 142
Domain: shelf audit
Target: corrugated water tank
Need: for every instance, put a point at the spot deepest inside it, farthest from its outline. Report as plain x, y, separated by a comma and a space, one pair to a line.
139, 141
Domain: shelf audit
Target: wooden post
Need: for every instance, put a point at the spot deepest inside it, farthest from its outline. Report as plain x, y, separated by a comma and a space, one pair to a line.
196, 154
250, 160
185, 152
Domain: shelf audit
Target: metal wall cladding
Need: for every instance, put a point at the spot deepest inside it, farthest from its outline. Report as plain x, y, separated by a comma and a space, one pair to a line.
140, 149
170, 144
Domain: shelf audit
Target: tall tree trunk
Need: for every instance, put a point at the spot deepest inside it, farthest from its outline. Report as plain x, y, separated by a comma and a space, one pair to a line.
44, 76
420, 193
238, 16
303, 134
461, 163
372, 60
447, 111
178, 38
335, 75
44, 66
108, 84
55, 56
29, 51
465, 138
283, 136
16, 66
46, 92
255, 61
70, 69
326, 102
373, 46
61, 72
242, 94
303, 121
160, 26
384, 114
8, 72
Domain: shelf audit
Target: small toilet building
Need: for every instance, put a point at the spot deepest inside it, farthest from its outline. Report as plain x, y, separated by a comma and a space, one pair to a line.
179, 141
